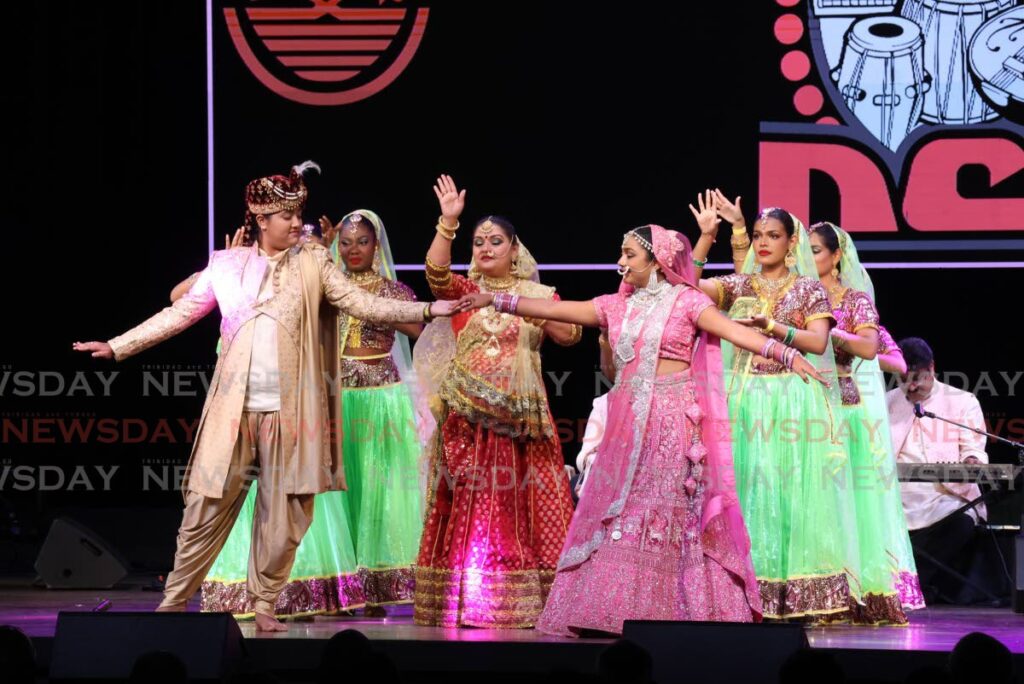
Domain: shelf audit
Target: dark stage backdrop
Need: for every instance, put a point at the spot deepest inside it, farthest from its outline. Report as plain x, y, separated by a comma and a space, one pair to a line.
576, 120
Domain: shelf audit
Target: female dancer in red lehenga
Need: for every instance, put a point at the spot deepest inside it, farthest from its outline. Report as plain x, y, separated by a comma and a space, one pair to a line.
498, 500
658, 534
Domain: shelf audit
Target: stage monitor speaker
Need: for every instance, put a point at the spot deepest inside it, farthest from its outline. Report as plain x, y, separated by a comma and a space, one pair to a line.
715, 652
75, 557
106, 645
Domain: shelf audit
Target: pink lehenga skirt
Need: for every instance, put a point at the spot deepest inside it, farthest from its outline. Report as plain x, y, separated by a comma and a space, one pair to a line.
655, 563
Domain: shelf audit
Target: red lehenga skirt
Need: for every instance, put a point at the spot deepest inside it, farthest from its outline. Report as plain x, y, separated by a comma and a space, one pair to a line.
498, 511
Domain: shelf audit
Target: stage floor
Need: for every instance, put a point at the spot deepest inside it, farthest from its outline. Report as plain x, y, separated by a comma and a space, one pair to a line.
34, 611
877, 654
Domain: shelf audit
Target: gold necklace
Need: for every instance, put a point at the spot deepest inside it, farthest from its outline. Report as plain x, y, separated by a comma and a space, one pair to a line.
363, 277
836, 294
493, 322
505, 284
769, 290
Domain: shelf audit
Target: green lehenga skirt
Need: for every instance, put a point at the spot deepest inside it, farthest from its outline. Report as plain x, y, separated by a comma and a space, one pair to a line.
887, 582
362, 544
794, 484
383, 458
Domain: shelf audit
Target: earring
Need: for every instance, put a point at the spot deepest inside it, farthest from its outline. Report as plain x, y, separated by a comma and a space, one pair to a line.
514, 270
790, 259
652, 282
835, 272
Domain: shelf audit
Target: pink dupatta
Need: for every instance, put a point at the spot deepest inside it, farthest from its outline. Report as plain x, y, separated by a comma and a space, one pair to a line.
629, 403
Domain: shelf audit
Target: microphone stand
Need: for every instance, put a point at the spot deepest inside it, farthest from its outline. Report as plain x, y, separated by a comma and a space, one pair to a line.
1017, 582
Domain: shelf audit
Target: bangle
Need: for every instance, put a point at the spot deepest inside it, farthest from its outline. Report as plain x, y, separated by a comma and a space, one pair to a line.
771, 326
741, 230
699, 263
766, 350
574, 336
440, 222
790, 336
444, 232
504, 302
427, 316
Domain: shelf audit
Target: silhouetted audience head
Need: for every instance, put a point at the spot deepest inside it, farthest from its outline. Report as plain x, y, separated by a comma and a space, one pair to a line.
158, 667
624, 662
350, 657
808, 666
981, 658
17, 656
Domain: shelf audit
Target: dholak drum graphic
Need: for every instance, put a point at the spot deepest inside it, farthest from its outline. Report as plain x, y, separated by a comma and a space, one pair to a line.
997, 62
882, 78
948, 26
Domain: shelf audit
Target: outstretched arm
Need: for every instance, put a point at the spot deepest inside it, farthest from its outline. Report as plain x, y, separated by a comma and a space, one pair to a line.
718, 324
356, 302
580, 313
198, 301
812, 340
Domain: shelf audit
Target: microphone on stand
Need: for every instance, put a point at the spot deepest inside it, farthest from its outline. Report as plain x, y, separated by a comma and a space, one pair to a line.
921, 413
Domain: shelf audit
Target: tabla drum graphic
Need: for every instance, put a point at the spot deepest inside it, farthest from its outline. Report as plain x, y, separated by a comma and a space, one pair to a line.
835, 17
948, 27
881, 77
997, 63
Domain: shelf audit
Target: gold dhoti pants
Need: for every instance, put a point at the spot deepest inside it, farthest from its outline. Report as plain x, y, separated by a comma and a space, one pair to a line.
280, 522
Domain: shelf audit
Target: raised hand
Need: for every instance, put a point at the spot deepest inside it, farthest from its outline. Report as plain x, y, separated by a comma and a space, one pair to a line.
235, 241
100, 350
327, 231
706, 213
451, 200
730, 211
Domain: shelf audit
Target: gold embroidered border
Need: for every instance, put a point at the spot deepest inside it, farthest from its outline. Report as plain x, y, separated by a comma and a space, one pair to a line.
805, 596
300, 597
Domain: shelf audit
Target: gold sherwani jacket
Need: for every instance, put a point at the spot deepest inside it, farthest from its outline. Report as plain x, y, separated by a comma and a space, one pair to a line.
311, 291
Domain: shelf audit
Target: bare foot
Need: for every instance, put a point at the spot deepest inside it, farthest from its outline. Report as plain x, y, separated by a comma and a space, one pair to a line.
268, 623
180, 608
375, 612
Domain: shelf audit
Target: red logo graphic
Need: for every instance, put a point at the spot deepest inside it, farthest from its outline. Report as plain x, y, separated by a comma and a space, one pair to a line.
320, 53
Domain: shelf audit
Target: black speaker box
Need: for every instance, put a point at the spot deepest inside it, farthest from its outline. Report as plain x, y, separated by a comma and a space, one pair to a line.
75, 557
106, 645
715, 652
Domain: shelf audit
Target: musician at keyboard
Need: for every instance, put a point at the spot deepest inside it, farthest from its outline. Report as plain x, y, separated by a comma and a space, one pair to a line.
931, 507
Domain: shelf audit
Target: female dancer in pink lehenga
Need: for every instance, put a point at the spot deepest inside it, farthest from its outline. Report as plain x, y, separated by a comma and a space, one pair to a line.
658, 533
